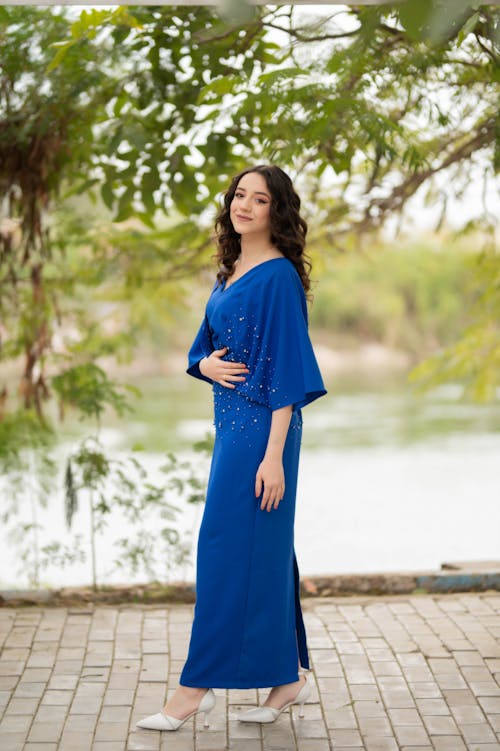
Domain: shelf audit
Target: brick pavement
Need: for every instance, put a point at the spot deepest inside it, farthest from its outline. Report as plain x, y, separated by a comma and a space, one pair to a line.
415, 673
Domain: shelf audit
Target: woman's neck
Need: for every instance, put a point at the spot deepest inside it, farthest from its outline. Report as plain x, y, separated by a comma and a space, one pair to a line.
255, 249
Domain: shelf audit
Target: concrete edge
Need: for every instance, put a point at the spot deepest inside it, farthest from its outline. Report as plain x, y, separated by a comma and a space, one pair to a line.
381, 583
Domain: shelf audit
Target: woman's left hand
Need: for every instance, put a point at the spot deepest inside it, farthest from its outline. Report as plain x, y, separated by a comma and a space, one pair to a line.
271, 475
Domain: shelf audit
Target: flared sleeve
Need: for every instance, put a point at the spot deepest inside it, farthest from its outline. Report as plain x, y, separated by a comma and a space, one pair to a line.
202, 345
284, 369
200, 348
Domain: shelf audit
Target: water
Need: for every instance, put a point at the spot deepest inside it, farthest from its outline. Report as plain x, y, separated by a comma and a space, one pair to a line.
387, 481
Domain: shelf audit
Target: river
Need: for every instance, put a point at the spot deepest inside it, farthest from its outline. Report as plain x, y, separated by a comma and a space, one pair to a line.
388, 480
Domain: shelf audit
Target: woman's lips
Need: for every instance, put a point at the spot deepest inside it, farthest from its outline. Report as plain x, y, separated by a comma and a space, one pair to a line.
243, 218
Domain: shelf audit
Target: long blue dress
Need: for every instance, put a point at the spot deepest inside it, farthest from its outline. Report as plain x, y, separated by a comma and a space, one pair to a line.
248, 630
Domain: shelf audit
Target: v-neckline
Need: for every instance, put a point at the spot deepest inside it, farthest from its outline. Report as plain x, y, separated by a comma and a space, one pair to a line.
276, 258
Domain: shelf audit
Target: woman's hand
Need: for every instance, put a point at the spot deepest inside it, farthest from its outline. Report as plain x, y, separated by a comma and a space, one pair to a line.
222, 371
270, 474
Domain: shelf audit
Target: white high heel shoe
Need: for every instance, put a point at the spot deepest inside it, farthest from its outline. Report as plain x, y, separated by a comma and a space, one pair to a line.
162, 721
270, 714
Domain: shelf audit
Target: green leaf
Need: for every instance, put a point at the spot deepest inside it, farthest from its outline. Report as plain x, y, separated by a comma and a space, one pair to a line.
414, 16
275, 76
125, 209
217, 88
107, 195
468, 27
121, 101
61, 50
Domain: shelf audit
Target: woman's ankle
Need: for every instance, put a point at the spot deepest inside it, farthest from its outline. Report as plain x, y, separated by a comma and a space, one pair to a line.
193, 690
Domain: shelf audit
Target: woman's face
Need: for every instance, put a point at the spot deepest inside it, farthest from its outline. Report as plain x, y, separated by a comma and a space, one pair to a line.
251, 206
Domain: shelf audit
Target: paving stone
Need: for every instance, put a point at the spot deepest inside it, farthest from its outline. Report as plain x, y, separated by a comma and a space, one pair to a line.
29, 690
67, 667
122, 681
119, 697
22, 706
490, 705
75, 742
478, 733
343, 737
380, 744
77, 723
90, 689
13, 741
411, 735
415, 673
494, 722
375, 726
469, 714
369, 708
424, 690
115, 714
5, 697
50, 713
45, 731
210, 741
440, 725
365, 691
459, 698
63, 698
63, 682
144, 741
71, 653
235, 744
311, 729
35, 675
448, 743
404, 717
8, 682
484, 688
15, 724
111, 731
451, 681
312, 744
86, 705
341, 718
398, 699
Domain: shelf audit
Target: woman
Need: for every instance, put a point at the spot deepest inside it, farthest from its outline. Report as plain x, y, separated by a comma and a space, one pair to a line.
253, 347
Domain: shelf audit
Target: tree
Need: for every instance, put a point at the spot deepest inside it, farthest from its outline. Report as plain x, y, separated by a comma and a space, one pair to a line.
152, 108
366, 108
149, 110
46, 137
372, 103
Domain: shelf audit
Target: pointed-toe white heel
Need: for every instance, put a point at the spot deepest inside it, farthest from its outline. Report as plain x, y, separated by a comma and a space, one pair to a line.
270, 714
162, 721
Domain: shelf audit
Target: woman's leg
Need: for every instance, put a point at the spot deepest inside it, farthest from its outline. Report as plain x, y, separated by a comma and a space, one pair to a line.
184, 701
281, 695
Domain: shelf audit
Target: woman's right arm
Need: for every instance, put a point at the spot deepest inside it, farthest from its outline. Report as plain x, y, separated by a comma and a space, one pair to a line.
222, 371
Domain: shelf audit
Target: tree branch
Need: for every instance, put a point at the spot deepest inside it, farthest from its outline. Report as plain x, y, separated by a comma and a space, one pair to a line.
378, 208
296, 33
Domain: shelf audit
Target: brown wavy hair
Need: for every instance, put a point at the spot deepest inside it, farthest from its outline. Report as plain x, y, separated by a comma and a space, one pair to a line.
288, 228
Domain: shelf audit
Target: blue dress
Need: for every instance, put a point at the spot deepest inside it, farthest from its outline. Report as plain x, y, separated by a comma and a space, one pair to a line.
248, 630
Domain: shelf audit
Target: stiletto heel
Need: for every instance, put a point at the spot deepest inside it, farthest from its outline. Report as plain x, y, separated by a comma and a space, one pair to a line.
270, 714
162, 721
